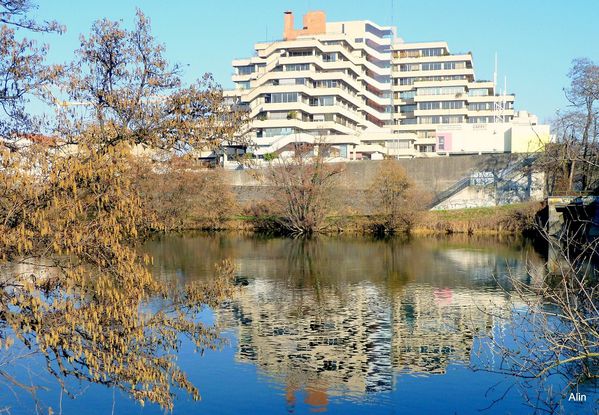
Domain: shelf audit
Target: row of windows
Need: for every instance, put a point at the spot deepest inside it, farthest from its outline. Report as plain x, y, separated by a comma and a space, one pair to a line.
447, 90
288, 115
480, 106
445, 119
289, 81
297, 52
281, 97
454, 65
411, 80
297, 67
446, 105
480, 120
478, 92
432, 66
245, 70
407, 94
322, 101
248, 69
330, 83
292, 67
273, 132
448, 119
433, 52
416, 53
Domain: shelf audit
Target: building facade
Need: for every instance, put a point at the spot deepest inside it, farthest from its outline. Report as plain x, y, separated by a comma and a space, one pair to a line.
367, 94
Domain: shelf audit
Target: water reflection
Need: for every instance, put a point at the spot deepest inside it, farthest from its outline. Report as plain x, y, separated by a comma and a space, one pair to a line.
342, 316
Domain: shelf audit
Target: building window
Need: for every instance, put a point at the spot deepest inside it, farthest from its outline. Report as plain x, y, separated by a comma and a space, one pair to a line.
298, 67
329, 57
480, 106
245, 70
407, 94
301, 53
480, 120
452, 105
415, 53
408, 121
273, 132
449, 90
428, 148
432, 66
281, 97
435, 105
243, 85
478, 92
435, 119
322, 101
432, 52
441, 143
451, 119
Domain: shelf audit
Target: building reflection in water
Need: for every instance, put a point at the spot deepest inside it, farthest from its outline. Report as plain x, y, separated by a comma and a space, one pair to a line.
346, 316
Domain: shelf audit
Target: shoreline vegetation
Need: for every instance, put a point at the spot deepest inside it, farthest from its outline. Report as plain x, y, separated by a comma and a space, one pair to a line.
517, 219
303, 198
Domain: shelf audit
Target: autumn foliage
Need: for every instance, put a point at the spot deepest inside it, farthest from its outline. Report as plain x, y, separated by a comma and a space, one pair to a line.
395, 200
73, 209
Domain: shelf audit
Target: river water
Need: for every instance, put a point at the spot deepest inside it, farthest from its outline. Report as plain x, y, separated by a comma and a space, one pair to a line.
340, 325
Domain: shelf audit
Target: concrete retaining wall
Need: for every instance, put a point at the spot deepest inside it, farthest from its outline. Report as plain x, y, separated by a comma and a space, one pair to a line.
433, 175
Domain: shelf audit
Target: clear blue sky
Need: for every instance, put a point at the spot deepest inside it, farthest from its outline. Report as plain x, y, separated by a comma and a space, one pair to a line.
534, 39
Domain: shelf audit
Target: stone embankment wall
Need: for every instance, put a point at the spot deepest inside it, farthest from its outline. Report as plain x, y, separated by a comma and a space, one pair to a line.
433, 175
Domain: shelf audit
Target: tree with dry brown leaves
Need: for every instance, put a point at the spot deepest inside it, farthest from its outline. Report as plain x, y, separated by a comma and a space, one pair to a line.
395, 200
121, 88
179, 194
73, 217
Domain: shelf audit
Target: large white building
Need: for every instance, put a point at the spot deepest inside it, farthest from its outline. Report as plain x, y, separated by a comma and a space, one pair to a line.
367, 94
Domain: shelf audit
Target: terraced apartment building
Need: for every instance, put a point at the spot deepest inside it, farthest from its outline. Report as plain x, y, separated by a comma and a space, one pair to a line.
367, 94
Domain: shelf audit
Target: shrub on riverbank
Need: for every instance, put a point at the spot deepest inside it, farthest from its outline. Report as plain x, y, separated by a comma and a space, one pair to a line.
176, 196
394, 199
517, 218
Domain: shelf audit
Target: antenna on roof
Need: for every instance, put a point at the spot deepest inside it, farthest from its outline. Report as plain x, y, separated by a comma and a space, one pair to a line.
495, 74
498, 98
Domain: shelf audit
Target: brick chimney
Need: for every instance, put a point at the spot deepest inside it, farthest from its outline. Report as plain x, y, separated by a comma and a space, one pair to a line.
288, 32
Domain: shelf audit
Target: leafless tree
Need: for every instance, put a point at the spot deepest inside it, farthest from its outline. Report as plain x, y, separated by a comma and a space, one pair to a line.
303, 188
572, 161
23, 73
549, 336
551, 339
